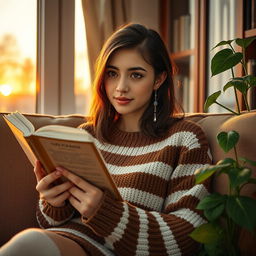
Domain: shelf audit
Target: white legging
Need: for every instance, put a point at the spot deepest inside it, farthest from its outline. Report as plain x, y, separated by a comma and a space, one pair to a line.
40, 243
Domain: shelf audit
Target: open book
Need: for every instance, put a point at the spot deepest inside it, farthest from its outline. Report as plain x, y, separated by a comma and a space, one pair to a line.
57, 145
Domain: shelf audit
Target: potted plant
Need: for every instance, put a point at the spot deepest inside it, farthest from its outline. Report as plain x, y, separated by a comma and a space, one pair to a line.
226, 59
228, 213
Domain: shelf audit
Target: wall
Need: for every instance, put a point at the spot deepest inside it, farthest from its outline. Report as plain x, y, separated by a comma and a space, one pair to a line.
145, 12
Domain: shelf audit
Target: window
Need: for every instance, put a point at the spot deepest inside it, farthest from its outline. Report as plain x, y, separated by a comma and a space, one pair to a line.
82, 71
63, 79
18, 55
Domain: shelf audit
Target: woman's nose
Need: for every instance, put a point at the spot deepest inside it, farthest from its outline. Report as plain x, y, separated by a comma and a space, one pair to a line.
122, 85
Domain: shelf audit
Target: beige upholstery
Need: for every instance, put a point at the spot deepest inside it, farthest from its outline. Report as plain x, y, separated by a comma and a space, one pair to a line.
17, 189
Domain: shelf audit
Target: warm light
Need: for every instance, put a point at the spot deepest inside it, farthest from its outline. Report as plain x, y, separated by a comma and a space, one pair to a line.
5, 89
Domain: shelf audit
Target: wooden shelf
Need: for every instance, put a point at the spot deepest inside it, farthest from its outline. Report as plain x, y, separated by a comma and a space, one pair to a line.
183, 54
189, 64
194, 62
242, 9
250, 33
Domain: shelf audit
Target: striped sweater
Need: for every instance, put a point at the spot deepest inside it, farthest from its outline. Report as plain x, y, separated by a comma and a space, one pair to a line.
156, 180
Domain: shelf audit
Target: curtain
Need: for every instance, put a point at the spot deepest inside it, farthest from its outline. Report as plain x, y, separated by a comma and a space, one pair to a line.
102, 18
222, 28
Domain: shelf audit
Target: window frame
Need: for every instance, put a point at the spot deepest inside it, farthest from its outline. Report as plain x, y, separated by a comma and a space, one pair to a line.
55, 57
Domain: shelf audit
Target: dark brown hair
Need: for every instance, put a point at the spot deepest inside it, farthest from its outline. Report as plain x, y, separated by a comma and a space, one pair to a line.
153, 50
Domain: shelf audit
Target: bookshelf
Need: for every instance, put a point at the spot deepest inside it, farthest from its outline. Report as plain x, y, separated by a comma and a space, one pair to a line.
183, 27
246, 11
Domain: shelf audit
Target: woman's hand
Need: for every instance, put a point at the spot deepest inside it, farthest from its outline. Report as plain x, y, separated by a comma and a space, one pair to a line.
53, 194
84, 196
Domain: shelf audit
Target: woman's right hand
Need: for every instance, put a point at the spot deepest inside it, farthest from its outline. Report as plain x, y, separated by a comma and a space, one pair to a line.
55, 195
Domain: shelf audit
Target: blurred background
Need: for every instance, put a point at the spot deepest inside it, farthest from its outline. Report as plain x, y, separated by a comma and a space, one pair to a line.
48, 47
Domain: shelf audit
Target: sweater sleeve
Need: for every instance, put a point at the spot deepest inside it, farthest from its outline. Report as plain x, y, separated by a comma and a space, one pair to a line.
130, 230
50, 216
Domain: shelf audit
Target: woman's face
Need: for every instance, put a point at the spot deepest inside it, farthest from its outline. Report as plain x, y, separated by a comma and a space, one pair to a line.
129, 82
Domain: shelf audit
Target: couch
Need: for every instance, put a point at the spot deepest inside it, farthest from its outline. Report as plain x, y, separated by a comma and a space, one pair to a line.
18, 196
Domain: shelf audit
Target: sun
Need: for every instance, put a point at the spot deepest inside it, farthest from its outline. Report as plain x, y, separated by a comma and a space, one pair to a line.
6, 89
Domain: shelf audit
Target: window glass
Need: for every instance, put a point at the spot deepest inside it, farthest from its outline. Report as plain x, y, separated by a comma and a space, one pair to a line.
82, 71
18, 55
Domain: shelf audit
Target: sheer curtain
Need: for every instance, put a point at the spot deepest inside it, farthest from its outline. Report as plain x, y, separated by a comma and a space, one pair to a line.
221, 28
102, 17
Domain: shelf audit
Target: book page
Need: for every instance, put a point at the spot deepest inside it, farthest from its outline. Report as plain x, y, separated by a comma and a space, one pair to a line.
21, 122
22, 141
63, 132
81, 158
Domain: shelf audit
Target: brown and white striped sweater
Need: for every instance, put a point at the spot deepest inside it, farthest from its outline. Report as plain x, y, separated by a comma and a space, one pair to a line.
156, 180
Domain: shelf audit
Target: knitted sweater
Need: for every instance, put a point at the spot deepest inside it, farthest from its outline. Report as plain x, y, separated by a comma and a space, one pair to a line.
156, 180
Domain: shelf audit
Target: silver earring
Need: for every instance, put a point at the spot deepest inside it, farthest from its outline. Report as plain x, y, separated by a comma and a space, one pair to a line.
155, 105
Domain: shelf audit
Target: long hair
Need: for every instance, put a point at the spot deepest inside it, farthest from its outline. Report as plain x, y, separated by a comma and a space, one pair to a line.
153, 50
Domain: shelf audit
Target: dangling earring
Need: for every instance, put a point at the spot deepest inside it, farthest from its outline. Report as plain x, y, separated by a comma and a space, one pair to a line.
155, 105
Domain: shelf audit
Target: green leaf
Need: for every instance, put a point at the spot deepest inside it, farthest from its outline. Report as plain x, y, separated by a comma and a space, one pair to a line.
250, 79
211, 201
224, 60
240, 85
206, 233
216, 249
238, 176
226, 161
227, 140
242, 211
246, 160
244, 42
223, 43
204, 173
214, 213
211, 100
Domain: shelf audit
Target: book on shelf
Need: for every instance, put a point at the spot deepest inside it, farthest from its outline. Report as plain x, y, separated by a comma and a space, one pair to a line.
183, 92
68, 147
185, 83
192, 23
181, 33
178, 89
248, 14
176, 35
253, 14
251, 68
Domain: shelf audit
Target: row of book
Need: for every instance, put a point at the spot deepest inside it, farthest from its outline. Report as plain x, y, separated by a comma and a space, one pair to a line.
182, 33
251, 68
183, 36
184, 92
250, 14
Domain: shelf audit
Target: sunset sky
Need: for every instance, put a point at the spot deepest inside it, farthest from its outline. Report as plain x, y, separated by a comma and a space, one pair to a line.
18, 18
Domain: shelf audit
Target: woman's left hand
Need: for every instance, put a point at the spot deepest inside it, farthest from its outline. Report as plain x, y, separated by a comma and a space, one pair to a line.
84, 196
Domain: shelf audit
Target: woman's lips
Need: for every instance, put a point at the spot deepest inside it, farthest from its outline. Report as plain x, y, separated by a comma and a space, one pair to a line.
122, 100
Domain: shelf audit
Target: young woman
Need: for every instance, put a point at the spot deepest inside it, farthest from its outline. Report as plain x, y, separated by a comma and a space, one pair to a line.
151, 154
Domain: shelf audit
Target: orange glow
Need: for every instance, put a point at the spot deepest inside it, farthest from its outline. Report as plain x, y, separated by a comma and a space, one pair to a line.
18, 55
6, 89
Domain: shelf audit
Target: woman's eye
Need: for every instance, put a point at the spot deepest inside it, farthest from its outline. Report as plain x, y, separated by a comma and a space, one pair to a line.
136, 75
111, 73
